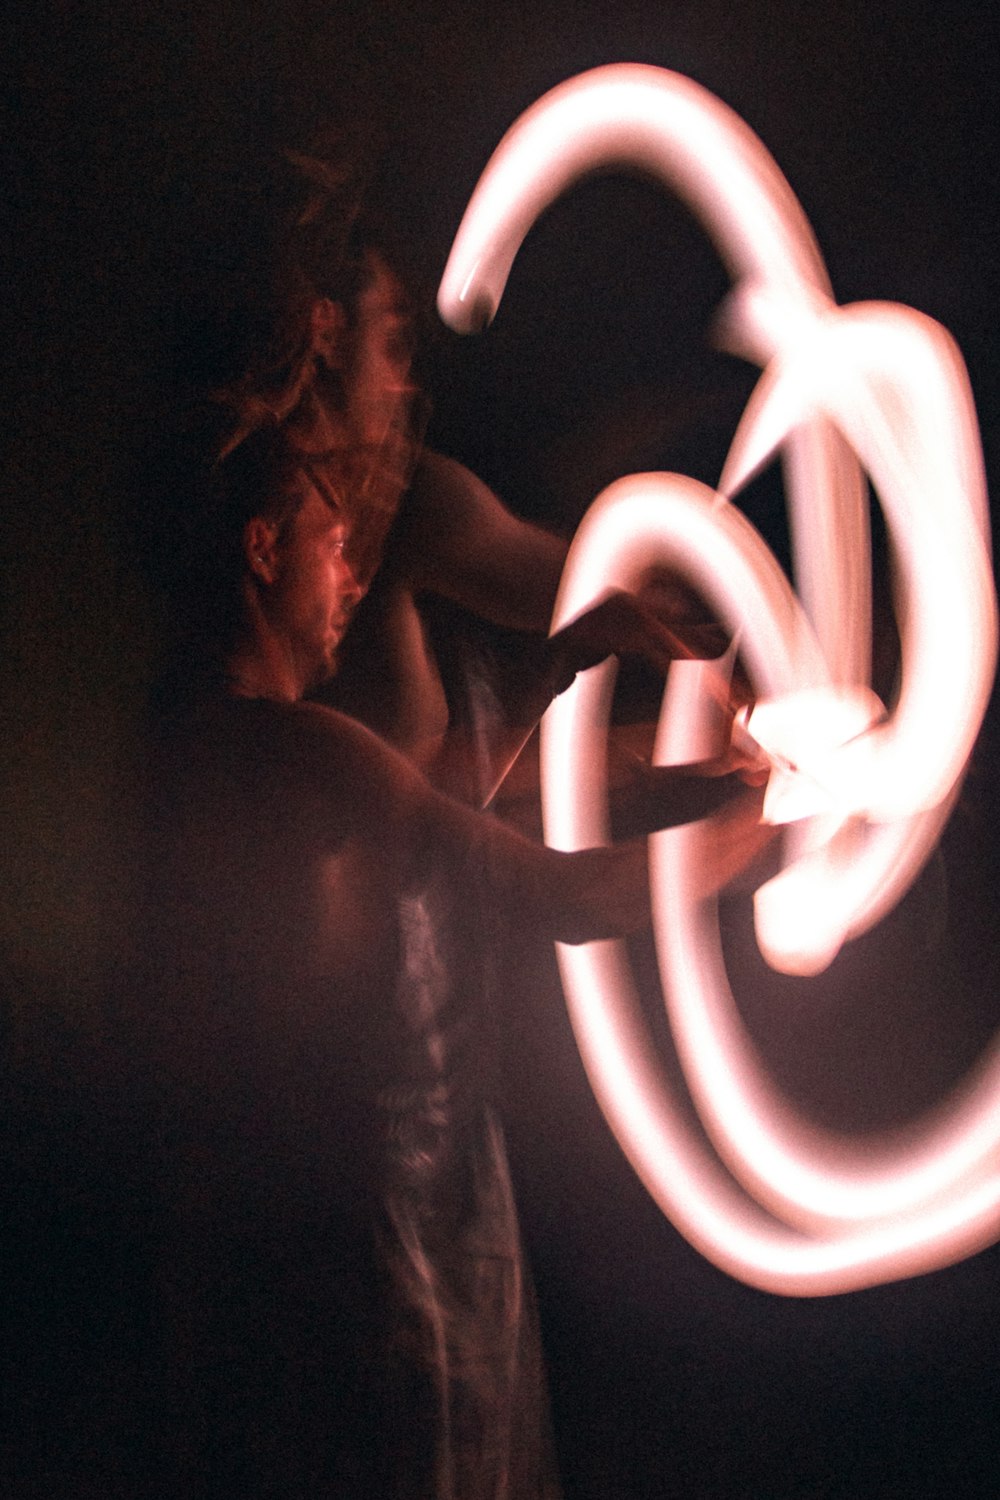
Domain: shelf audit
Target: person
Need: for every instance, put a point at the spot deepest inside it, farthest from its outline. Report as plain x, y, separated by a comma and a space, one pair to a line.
343, 1306
426, 529
320, 330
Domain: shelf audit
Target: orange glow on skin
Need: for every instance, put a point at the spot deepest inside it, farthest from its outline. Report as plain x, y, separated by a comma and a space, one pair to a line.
872, 387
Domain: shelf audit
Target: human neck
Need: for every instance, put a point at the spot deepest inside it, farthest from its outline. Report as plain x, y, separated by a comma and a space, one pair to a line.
259, 669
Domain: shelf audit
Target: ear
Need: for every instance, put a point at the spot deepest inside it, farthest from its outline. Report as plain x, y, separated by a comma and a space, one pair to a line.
260, 550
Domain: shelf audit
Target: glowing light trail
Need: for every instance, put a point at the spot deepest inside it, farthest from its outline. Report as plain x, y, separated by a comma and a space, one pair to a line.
671, 127
783, 1206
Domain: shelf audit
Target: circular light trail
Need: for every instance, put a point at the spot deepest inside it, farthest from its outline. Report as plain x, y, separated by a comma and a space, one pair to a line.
872, 387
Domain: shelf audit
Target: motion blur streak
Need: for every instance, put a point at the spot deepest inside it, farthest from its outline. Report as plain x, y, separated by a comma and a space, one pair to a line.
782, 1205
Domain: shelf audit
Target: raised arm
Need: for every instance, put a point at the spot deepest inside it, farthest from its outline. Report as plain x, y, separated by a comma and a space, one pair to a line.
458, 540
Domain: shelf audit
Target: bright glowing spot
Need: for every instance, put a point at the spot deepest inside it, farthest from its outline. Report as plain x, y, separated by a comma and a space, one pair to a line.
798, 733
864, 788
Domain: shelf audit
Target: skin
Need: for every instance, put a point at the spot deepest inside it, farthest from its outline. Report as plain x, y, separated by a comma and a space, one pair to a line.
299, 595
453, 539
293, 831
284, 840
375, 822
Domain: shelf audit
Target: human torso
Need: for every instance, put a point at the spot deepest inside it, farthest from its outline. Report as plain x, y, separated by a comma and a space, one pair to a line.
324, 1078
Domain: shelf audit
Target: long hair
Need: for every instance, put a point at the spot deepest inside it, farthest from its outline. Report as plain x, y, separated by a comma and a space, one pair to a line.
297, 354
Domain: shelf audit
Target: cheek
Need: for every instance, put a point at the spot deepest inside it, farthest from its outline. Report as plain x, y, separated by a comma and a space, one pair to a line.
330, 595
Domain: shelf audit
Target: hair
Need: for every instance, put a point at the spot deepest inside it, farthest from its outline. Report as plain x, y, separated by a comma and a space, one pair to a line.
293, 234
295, 358
195, 514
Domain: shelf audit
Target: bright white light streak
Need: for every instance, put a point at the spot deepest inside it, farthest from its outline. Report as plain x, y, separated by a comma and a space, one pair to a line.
808, 1212
852, 1217
667, 125
891, 380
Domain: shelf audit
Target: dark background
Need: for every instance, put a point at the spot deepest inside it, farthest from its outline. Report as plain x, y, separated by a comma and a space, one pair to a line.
668, 1378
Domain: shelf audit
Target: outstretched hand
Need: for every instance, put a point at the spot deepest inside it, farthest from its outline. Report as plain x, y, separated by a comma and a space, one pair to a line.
656, 797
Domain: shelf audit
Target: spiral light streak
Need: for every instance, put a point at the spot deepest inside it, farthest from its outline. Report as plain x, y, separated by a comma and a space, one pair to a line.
782, 1205
671, 127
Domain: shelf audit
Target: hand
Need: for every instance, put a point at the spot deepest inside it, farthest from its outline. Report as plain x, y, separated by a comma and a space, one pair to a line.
643, 797
623, 625
742, 758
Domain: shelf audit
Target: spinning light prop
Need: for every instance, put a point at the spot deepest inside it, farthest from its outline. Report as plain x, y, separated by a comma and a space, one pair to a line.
777, 1203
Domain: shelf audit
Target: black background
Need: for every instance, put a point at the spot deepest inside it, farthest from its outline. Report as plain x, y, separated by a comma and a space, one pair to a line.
668, 1378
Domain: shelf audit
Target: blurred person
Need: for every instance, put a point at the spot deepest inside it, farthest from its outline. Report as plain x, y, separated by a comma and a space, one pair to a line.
343, 1306
346, 1305
320, 330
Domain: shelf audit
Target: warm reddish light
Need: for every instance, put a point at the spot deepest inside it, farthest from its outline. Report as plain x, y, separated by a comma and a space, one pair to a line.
792, 1209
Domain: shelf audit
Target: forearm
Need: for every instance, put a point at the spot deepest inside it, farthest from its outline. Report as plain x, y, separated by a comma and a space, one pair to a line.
579, 897
668, 796
571, 897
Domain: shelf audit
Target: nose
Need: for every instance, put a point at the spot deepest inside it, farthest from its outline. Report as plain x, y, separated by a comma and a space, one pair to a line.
352, 591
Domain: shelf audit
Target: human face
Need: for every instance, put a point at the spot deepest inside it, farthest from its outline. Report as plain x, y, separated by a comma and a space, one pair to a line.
380, 374
314, 591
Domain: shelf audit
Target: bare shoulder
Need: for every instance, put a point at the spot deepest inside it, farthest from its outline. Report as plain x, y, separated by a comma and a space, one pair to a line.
333, 746
448, 483
444, 502
456, 538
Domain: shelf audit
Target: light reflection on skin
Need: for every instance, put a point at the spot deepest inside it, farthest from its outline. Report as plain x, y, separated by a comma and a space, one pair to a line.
782, 1205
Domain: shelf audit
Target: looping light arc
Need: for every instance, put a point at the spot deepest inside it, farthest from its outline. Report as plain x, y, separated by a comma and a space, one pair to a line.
773, 1200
